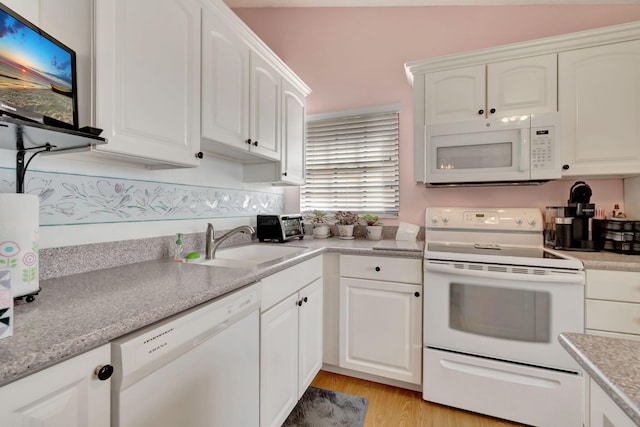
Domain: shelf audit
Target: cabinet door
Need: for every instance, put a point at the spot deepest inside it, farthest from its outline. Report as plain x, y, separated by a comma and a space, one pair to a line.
604, 412
148, 80
293, 135
68, 394
380, 328
278, 362
455, 95
225, 83
599, 89
266, 85
522, 86
310, 334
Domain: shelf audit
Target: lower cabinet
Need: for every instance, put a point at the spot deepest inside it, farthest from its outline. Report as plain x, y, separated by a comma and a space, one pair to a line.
69, 394
290, 338
604, 412
380, 329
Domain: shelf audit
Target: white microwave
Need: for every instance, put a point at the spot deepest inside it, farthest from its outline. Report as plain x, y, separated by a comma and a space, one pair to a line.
517, 149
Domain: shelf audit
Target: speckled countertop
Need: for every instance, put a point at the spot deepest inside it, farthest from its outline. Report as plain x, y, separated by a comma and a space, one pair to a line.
604, 260
613, 363
75, 313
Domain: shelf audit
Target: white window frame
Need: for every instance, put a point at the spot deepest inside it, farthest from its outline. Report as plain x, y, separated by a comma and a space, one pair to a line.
389, 173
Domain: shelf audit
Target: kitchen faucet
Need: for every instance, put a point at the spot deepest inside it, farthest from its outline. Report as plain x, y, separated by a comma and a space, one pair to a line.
211, 244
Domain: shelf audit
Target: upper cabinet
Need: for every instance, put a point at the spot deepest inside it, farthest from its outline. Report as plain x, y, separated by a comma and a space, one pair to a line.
264, 108
148, 79
600, 107
592, 78
519, 86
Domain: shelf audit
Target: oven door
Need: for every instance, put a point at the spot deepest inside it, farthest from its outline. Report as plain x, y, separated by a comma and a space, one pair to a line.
507, 313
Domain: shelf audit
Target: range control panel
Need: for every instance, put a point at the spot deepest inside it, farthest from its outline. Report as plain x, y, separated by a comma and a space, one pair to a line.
516, 219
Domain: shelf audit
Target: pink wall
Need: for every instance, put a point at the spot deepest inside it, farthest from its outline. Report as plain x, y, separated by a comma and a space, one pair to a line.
353, 58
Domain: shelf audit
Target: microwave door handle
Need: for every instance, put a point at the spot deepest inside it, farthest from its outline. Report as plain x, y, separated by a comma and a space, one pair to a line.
524, 149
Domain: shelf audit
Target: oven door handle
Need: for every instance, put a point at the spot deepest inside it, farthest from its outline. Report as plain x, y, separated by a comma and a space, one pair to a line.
568, 278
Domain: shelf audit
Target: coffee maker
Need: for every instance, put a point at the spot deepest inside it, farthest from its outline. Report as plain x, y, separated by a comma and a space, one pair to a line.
582, 212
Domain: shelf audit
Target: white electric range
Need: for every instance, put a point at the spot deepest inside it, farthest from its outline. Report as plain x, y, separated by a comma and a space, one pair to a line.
495, 301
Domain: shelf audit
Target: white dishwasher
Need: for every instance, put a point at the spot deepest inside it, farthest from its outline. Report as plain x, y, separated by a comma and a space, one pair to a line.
199, 368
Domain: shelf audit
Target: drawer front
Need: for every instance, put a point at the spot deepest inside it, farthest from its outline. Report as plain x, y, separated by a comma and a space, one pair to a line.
405, 270
613, 316
280, 285
609, 285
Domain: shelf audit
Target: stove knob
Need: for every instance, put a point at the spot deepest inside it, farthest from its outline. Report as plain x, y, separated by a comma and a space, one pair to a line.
434, 220
445, 220
519, 221
531, 222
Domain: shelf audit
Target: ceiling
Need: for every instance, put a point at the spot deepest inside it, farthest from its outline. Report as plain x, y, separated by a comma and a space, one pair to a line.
385, 3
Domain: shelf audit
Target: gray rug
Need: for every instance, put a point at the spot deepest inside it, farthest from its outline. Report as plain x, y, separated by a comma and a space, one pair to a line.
325, 408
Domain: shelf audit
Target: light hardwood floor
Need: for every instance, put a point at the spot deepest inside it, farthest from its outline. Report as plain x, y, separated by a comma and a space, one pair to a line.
395, 407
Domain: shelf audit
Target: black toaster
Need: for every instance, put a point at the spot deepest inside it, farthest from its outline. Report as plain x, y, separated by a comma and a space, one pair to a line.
279, 228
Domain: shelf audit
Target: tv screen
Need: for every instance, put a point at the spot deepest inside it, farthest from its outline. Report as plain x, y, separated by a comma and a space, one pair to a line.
37, 74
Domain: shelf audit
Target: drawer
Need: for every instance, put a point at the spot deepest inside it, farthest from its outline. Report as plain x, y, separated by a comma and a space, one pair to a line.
609, 285
405, 270
280, 285
613, 316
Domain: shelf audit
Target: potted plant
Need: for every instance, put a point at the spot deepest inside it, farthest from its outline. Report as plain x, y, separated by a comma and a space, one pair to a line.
374, 227
319, 219
346, 220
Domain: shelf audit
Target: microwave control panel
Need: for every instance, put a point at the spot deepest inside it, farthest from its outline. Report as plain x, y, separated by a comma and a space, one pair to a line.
542, 148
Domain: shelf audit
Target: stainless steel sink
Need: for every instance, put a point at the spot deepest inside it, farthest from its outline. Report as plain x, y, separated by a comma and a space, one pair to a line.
248, 256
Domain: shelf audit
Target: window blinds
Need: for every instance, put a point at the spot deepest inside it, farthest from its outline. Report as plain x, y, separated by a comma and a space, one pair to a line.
352, 164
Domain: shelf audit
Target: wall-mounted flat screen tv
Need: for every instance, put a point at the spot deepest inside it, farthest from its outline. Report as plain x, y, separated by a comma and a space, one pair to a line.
37, 74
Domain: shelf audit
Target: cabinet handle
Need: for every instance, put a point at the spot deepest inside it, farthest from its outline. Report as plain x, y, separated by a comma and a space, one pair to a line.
493, 110
565, 167
299, 303
255, 143
305, 299
199, 155
284, 174
103, 372
377, 268
480, 112
417, 294
249, 141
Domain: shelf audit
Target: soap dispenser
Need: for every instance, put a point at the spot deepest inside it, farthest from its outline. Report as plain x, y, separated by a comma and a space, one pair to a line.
178, 255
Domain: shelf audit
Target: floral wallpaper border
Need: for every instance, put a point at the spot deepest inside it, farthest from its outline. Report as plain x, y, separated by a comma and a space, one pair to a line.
71, 199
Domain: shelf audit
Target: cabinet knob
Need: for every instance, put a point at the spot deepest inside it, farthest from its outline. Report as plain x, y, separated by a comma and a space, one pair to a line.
493, 110
377, 268
284, 174
480, 112
305, 299
103, 372
255, 143
417, 294
249, 141
199, 155
565, 167
299, 303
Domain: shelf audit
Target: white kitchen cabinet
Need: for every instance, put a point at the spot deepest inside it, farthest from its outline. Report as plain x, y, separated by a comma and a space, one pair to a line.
381, 316
603, 410
264, 108
599, 104
67, 394
290, 170
290, 338
147, 94
225, 86
612, 303
499, 89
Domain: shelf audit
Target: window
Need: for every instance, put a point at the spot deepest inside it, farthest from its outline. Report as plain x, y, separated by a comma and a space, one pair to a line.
352, 163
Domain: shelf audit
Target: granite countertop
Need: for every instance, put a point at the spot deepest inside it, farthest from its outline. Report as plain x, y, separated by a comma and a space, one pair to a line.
605, 260
76, 313
613, 363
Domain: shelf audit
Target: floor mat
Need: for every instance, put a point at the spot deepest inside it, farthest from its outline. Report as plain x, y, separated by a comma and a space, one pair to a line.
326, 408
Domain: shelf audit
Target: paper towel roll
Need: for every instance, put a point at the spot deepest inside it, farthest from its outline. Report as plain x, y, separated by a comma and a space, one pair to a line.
19, 223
